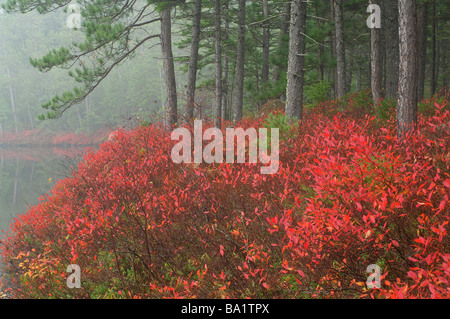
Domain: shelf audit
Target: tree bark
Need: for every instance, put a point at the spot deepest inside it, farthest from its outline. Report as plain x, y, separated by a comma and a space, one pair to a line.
266, 46
444, 66
407, 95
169, 69
333, 47
375, 62
193, 61
296, 61
225, 66
433, 52
392, 49
340, 48
240, 55
218, 53
349, 72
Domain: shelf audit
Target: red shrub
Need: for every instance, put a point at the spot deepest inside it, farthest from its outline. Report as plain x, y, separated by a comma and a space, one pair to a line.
347, 194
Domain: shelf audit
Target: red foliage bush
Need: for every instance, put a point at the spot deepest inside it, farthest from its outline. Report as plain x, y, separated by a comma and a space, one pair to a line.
347, 194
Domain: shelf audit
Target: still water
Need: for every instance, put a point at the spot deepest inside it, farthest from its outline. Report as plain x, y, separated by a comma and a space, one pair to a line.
28, 173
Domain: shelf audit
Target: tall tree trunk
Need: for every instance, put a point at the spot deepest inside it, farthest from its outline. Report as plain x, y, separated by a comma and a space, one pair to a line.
266, 47
240, 56
169, 69
340, 47
375, 62
284, 32
218, 53
422, 21
296, 61
407, 86
349, 71
391, 45
433, 51
444, 67
225, 66
193, 61
438, 61
333, 47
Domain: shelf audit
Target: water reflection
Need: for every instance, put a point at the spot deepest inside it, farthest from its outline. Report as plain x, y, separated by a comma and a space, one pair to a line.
28, 173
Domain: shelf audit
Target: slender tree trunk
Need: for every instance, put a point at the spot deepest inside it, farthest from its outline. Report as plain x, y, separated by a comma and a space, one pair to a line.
375, 62
348, 80
11, 97
284, 32
30, 117
438, 61
340, 47
444, 67
218, 113
407, 96
266, 47
333, 47
80, 125
225, 65
390, 24
240, 55
433, 52
193, 61
359, 81
296, 61
169, 69
321, 65
422, 21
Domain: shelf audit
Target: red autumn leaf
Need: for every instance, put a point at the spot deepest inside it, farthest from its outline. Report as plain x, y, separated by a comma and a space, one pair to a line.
446, 183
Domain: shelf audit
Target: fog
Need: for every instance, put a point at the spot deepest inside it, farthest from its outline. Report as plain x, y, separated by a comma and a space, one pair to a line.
132, 92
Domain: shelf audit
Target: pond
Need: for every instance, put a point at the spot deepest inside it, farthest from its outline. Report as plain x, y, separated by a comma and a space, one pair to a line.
27, 173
